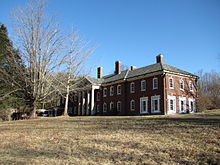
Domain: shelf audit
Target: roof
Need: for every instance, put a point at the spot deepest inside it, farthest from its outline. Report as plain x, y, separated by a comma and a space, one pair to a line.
138, 72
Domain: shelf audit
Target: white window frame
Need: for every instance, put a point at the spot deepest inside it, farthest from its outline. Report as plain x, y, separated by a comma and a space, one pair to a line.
111, 90
154, 98
171, 87
181, 82
132, 105
119, 103
98, 96
132, 87
190, 86
142, 99
194, 105
111, 106
105, 107
155, 80
104, 92
174, 104
184, 104
143, 85
118, 89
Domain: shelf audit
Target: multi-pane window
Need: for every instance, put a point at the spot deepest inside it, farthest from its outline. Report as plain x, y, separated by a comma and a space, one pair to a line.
143, 85
132, 105
182, 104
104, 107
171, 83
111, 106
190, 86
111, 90
119, 106
155, 103
143, 104
98, 96
104, 92
171, 104
181, 85
118, 89
155, 83
191, 105
132, 87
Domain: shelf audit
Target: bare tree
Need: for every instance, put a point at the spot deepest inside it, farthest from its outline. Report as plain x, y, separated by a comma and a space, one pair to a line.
73, 67
40, 42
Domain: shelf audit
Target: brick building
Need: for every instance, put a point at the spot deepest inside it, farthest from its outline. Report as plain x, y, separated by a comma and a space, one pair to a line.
155, 89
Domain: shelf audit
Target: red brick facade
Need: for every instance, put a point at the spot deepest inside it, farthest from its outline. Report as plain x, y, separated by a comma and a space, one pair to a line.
156, 92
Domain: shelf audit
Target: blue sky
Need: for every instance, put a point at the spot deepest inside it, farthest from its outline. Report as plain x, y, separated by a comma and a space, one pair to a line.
186, 32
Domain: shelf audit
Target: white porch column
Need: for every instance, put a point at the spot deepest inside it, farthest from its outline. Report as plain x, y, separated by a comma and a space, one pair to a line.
92, 100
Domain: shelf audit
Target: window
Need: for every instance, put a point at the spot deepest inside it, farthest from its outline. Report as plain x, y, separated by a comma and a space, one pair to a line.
111, 90
132, 105
182, 104
155, 104
118, 89
191, 105
104, 107
190, 86
171, 104
119, 106
98, 96
171, 83
97, 107
181, 85
111, 106
104, 92
143, 85
143, 105
155, 83
132, 87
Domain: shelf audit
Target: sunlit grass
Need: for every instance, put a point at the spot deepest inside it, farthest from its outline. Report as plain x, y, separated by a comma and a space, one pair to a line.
173, 139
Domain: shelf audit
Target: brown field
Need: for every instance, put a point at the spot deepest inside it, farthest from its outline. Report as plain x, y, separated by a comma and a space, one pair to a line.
179, 139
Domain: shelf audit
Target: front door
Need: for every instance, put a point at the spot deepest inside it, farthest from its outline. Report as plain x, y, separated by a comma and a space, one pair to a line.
143, 105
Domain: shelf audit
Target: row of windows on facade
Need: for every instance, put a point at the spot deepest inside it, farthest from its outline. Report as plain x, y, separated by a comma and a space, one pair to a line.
155, 105
143, 87
132, 88
171, 84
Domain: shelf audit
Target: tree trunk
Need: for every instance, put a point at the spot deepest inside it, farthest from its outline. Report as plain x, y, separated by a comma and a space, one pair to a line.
66, 102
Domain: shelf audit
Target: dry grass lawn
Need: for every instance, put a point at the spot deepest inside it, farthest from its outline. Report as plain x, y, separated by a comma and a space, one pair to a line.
179, 139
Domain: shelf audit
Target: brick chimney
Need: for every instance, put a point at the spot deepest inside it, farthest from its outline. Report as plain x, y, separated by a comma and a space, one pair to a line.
133, 67
117, 67
99, 72
159, 58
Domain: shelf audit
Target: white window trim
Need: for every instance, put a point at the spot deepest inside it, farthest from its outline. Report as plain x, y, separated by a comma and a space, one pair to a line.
182, 89
143, 89
172, 83
190, 85
111, 106
155, 87
158, 99
111, 90
119, 110
174, 104
132, 91
104, 94
144, 99
184, 106
132, 109
104, 105
118, 91
194, 105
